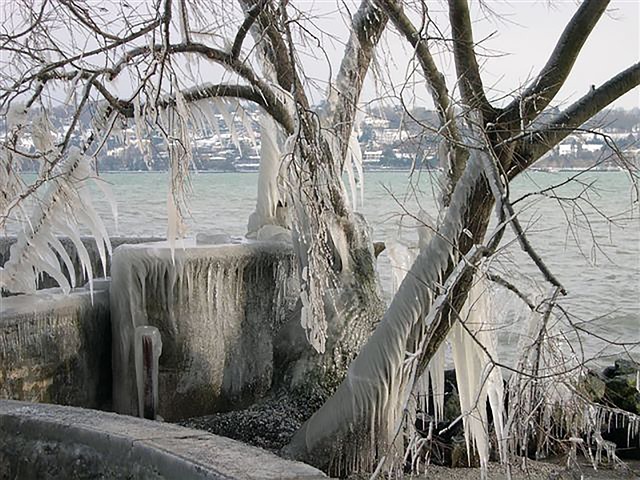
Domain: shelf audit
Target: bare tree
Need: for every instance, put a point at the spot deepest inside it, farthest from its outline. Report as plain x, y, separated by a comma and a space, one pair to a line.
135, 62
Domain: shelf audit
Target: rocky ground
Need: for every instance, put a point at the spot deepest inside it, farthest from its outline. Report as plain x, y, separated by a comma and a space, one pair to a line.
532, 471
271, 423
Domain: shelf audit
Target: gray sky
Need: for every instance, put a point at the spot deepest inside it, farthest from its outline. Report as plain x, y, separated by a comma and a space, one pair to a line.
516, 43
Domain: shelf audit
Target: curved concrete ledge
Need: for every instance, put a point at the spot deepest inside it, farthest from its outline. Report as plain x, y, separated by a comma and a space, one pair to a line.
50, 441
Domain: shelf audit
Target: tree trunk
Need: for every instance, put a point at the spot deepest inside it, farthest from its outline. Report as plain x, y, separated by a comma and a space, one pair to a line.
359, 422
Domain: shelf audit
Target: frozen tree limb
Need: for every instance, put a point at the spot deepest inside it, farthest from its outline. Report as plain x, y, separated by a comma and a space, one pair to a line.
467, 69
366, 29
537, 96
252, 15
533, 145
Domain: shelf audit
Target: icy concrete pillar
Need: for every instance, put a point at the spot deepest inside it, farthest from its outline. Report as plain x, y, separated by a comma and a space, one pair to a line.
148, 348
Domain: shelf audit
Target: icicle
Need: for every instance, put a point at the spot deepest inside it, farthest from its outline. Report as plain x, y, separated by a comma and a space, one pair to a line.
270, 163
436, 372
41, 133
348, 167
111, 199
401, 258
356, 161
228, 119
173, 221
35, 248
16, 115
247, 123
209, 112
477, 378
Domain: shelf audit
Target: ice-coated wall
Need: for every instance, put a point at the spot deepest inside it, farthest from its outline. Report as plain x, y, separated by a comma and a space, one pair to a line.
217, 308
55, 348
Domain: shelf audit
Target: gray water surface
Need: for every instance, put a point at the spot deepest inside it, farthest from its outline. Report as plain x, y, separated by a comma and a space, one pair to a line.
592, 244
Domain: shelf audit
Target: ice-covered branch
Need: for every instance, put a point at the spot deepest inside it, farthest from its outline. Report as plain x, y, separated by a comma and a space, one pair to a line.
37, 245
491, 169
366, 29
252, 15
533, 145
363, 411
269, 38
468, 72
511, 287
54, 66
526, 107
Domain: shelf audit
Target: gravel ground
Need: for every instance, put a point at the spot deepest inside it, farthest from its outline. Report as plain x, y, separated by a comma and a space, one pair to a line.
533, 471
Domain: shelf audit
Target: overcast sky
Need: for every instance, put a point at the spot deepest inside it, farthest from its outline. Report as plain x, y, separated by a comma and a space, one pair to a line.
513, 43
516, 43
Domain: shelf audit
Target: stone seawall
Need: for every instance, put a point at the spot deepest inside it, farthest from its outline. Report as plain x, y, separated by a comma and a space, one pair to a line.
218, 309
56, 348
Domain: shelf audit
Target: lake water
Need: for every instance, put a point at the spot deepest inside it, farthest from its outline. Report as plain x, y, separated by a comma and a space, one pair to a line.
597, 260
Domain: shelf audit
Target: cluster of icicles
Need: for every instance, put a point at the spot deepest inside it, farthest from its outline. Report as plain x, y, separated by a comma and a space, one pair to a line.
63, 209
473, 346
544, 387
62, 204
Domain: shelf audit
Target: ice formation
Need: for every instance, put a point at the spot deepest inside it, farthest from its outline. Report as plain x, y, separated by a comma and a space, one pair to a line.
269, 198
473, 342
216, 307
147, 338
401, 257
378, 378
354, 169
57, 212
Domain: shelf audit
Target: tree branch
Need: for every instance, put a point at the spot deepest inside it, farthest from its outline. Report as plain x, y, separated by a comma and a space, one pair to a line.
366, 29
541, 92
273, 43
533, 145
467, 69
83, 15
252, 15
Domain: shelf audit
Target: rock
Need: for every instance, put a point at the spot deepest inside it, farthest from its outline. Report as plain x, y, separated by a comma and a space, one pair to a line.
622, 366
625, 366
593, 386
621, 391
459, 455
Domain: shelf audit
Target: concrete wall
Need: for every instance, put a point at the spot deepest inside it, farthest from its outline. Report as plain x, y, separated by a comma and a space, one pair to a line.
55, 348
217, 307
49, 442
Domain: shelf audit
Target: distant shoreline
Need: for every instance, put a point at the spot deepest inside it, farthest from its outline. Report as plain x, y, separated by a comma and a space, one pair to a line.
370, 170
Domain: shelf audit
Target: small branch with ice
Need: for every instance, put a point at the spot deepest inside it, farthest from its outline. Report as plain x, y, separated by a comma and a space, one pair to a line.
503, 204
